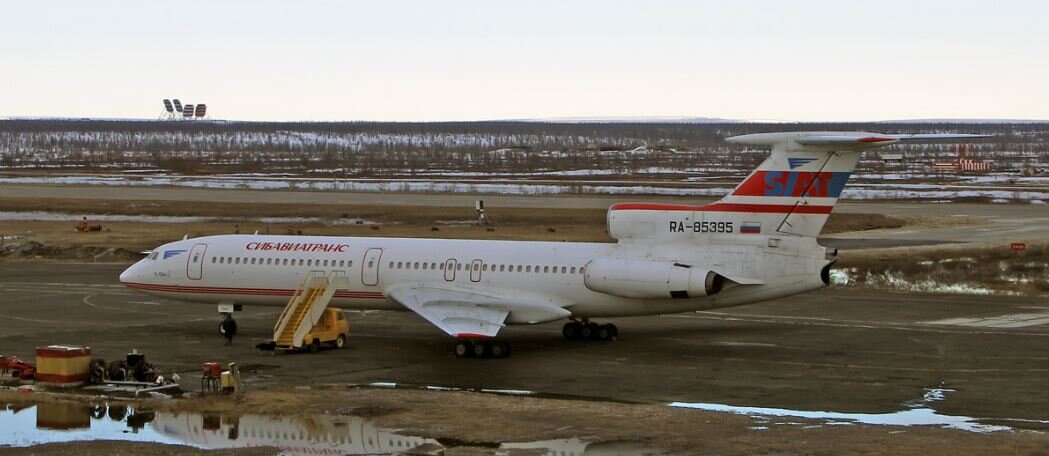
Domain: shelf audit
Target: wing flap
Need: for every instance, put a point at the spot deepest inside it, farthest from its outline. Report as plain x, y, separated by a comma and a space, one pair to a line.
472, 313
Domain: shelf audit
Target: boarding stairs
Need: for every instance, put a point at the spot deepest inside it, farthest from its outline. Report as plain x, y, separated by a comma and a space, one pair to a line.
306, 306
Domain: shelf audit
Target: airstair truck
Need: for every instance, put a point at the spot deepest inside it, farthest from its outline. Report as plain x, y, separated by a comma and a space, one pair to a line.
307, 322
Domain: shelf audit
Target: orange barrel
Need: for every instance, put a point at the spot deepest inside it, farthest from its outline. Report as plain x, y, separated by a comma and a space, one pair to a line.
63, 365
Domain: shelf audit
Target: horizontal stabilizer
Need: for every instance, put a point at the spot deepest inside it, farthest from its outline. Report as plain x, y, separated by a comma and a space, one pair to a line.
854, 140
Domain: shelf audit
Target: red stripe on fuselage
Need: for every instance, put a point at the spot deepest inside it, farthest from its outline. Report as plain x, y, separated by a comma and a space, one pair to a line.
725, 207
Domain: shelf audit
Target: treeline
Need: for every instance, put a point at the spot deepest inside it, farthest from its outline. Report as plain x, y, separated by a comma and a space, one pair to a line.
383, 148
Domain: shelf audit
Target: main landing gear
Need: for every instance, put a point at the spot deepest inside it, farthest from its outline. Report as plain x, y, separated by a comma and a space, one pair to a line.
472, 348
587, 330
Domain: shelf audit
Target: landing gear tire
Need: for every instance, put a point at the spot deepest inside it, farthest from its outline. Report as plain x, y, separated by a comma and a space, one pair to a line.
589, 331
499, 349
481, 349
570, 330
463, 348
340, 341
584, 330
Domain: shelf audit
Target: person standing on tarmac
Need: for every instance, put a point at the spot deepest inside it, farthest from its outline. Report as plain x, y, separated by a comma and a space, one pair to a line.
229, 329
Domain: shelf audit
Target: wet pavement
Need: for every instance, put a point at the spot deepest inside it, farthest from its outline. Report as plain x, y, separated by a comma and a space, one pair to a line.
296, 435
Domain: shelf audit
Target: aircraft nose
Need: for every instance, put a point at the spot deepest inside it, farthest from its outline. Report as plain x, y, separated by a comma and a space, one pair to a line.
127, 275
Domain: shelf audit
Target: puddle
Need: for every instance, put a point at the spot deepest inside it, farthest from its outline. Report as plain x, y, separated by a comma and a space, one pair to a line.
42, 216
312, 435
916, 413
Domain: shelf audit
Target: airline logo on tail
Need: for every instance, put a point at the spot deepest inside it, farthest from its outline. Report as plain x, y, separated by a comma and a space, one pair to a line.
794, 184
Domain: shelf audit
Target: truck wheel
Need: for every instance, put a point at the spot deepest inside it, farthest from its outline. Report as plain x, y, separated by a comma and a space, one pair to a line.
314, 346
340, 341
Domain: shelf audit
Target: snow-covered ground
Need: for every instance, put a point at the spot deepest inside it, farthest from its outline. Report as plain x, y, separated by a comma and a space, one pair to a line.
1027, 193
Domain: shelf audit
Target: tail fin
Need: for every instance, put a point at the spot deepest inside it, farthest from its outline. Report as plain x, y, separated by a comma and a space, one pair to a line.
794, 190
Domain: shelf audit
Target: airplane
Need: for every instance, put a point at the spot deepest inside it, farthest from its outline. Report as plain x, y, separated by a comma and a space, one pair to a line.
756, 244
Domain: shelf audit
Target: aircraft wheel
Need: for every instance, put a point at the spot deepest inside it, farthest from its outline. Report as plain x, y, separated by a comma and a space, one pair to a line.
340, 341
463, 348
589, 331
500, 349
613, 331
481, 349
604, 332
570, 330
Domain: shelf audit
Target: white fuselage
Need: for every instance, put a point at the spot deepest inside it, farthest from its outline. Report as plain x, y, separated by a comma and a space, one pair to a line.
267, 269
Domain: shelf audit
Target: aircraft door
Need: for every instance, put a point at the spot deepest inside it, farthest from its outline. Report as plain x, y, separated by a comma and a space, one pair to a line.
370, 267
195, 262
475, 270
449, 269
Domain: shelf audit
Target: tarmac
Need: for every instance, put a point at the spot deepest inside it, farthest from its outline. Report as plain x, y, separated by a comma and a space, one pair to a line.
840, 350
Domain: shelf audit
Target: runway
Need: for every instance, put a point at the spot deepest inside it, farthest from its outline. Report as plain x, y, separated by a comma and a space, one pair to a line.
835, 349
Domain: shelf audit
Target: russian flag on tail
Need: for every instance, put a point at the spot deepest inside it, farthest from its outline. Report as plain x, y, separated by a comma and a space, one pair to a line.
750, 228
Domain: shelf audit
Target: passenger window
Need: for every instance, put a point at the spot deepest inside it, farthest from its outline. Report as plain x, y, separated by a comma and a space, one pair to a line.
564, 269
572, 271
391, 265
546, 268
425, 265
537, 268
371, 264
442, 266
459, 267
502, 267
325, 263
235, 260
196, 258
518, 268
528, 268
416, 265
400, 264
582, 270
349, 264
301, 261
433, 265
484, 268
309, 262
213, 259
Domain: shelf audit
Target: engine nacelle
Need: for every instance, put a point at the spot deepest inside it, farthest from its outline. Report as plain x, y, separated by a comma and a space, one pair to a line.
651, 279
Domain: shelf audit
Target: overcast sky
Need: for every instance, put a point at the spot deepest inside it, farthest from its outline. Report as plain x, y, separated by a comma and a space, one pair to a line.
474, 60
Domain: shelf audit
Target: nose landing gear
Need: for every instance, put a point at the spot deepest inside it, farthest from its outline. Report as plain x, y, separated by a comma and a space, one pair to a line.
587, 330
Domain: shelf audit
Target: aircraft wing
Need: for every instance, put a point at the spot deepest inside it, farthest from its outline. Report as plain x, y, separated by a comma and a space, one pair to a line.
471, 312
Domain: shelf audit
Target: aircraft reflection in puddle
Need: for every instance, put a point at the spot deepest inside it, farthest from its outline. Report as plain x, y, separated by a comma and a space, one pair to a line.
315, 435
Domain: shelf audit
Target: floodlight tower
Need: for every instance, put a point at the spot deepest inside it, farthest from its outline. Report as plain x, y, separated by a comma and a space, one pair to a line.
169, 111
187, 112
202, 110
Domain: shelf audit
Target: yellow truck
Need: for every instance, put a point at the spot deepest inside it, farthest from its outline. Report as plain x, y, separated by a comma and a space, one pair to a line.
332, 328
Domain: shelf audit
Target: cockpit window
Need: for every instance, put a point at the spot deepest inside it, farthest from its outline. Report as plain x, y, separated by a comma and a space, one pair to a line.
154, 256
